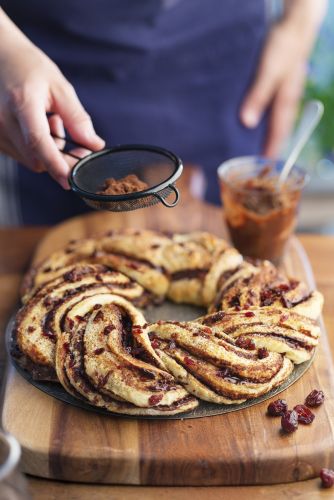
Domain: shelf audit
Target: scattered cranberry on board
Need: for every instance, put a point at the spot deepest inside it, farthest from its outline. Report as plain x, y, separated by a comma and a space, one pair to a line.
289, 421
315, 398
327, 478
305, 416
277, 408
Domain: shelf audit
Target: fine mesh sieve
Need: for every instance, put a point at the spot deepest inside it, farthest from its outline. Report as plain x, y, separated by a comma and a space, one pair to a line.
155, 166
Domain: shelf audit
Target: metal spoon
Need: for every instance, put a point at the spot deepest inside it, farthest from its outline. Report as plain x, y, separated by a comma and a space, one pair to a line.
310, 118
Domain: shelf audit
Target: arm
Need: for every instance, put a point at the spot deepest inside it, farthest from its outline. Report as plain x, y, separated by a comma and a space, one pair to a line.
30, 86
281, 73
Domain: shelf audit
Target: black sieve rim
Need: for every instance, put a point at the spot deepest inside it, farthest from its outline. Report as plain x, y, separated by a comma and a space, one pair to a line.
129, 196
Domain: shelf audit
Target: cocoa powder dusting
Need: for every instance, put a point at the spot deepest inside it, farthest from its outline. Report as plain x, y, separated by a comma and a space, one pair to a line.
128, 184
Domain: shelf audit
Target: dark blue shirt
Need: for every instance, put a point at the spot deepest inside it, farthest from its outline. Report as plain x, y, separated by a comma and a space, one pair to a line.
166, 72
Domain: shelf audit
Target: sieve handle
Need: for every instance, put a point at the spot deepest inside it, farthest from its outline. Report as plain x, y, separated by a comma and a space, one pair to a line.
69, 141
164, 202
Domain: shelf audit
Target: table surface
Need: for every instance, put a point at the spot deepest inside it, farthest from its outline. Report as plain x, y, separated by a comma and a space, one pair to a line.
16, 249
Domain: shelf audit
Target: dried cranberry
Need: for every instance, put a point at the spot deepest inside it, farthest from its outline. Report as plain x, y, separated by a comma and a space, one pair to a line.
277, 408
245, 343
188, 361
154, 400
315, 398
206, 329
155, 343
305, 416
98, 317
249, 314
327, 478
66, 347
108, 329
263, 353
137, 330
267, 297
133, 265
289, 421
284, 287
70, 323
100, 350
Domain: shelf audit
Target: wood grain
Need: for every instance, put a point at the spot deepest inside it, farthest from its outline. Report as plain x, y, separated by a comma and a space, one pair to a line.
238, 448
303, 490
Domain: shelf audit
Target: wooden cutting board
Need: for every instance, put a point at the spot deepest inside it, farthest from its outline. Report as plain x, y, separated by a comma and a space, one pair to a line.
243, 447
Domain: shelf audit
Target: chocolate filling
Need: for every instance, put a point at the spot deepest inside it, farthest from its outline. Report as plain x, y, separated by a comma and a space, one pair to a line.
296, 344
189, 274
136, 262
235, 300
226, 275
214, 318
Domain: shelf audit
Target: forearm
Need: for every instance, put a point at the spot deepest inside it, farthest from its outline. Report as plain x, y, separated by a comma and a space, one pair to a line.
14, 45
303, 18
306, 12
281, 72
31, 86
9, 32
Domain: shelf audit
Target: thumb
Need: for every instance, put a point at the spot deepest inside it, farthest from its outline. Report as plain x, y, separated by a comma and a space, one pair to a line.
76, 120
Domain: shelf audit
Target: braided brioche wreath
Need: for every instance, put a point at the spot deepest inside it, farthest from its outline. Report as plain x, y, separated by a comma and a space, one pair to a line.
82, 323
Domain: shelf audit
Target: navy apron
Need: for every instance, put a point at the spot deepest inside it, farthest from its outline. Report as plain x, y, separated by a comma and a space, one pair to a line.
166, 72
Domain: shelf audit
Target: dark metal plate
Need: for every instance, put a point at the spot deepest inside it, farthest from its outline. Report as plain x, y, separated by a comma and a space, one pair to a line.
165, 311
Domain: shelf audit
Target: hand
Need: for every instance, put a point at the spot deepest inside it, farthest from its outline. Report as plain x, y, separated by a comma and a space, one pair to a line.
30, 86
281, 73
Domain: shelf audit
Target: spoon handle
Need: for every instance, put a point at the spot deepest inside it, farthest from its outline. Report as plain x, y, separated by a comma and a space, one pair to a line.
310, 118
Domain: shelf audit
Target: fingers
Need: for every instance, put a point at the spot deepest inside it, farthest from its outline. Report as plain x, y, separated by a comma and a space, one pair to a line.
283, 112
34, 125
269, 75
75, 118
29, 140
280, 56
31, 85
12, 143
258, 98
56, 126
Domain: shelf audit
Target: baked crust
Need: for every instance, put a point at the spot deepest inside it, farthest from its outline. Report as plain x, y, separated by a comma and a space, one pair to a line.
263, 285
80, 323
